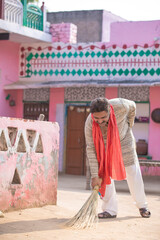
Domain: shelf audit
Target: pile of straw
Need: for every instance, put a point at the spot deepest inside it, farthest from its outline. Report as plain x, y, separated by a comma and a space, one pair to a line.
87, 215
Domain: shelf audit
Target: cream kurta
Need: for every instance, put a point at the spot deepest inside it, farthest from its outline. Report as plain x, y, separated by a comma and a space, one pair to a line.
125, 113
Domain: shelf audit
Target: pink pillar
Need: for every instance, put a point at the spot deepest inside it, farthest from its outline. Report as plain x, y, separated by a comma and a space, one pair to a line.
64, 32
111, 92
56, 97
19, 103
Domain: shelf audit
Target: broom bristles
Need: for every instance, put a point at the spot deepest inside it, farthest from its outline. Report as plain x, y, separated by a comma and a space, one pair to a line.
87, 215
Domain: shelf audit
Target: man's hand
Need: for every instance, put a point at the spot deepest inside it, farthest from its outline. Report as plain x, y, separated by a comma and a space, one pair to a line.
96, 181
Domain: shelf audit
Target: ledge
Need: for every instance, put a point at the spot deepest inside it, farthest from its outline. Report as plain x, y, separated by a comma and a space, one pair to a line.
149, 163
23, 34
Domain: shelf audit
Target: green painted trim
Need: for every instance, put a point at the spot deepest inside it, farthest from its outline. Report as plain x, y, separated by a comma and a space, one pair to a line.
35, 101
24, 2
145, 156
100, 53
70, 102
142, 102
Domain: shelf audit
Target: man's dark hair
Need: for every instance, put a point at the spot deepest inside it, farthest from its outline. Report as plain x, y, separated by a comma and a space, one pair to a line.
99, 105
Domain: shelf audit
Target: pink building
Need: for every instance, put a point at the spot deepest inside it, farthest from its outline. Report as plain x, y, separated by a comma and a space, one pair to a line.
29, 149
60, 79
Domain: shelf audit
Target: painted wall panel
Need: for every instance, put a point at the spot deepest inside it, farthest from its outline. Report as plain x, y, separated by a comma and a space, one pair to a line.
93, 63
28, 163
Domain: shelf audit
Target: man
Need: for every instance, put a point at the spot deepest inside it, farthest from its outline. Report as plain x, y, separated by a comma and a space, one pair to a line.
111, 146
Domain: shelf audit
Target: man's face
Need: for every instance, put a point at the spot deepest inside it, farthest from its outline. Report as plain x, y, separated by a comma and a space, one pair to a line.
101, 118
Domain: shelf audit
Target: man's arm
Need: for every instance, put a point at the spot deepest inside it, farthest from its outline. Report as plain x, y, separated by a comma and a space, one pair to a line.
91, 153
131, 111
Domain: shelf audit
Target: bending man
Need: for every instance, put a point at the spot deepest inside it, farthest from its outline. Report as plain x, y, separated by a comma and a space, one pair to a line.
111, 152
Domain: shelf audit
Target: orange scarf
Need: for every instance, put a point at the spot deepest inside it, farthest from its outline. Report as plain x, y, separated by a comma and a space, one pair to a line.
110, 161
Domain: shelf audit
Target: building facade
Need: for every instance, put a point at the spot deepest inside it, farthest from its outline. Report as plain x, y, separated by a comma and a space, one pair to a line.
59, 79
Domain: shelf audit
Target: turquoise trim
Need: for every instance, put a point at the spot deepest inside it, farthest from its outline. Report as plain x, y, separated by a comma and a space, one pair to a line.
77, 102
35, 101
142, 102
145, 156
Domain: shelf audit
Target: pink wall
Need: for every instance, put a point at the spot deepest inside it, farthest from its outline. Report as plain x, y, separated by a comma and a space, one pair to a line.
108, 18
154, 128
56, 97
9, 72
33, 153
134, 32
111, 92
19, 103
150, 171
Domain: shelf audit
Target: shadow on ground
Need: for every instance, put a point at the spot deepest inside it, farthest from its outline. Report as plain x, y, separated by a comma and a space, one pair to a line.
32, 226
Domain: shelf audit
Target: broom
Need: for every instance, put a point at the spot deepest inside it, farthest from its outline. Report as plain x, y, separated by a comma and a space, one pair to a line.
87, 215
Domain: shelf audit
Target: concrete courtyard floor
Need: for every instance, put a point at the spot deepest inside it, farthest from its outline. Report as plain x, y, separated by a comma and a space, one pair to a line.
45, 223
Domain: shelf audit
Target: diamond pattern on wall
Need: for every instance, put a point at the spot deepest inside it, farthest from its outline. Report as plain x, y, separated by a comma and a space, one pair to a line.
101, 72
97, 61
93, 54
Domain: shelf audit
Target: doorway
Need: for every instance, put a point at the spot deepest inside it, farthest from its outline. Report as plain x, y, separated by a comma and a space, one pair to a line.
75, 146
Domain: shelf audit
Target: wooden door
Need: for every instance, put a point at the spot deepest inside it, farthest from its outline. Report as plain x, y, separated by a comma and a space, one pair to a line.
75, 154
33, 110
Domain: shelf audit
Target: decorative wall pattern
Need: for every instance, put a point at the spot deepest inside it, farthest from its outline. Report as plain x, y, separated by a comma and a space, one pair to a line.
83, 93
28, 163
94, 62
138, 94
37, 95
20, 140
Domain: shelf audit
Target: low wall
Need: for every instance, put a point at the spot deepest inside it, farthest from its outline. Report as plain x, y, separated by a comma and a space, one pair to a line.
150, 171
28, 163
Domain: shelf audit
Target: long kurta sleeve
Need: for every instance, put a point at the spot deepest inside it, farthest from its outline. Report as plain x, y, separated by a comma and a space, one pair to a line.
90, 148
131, 111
